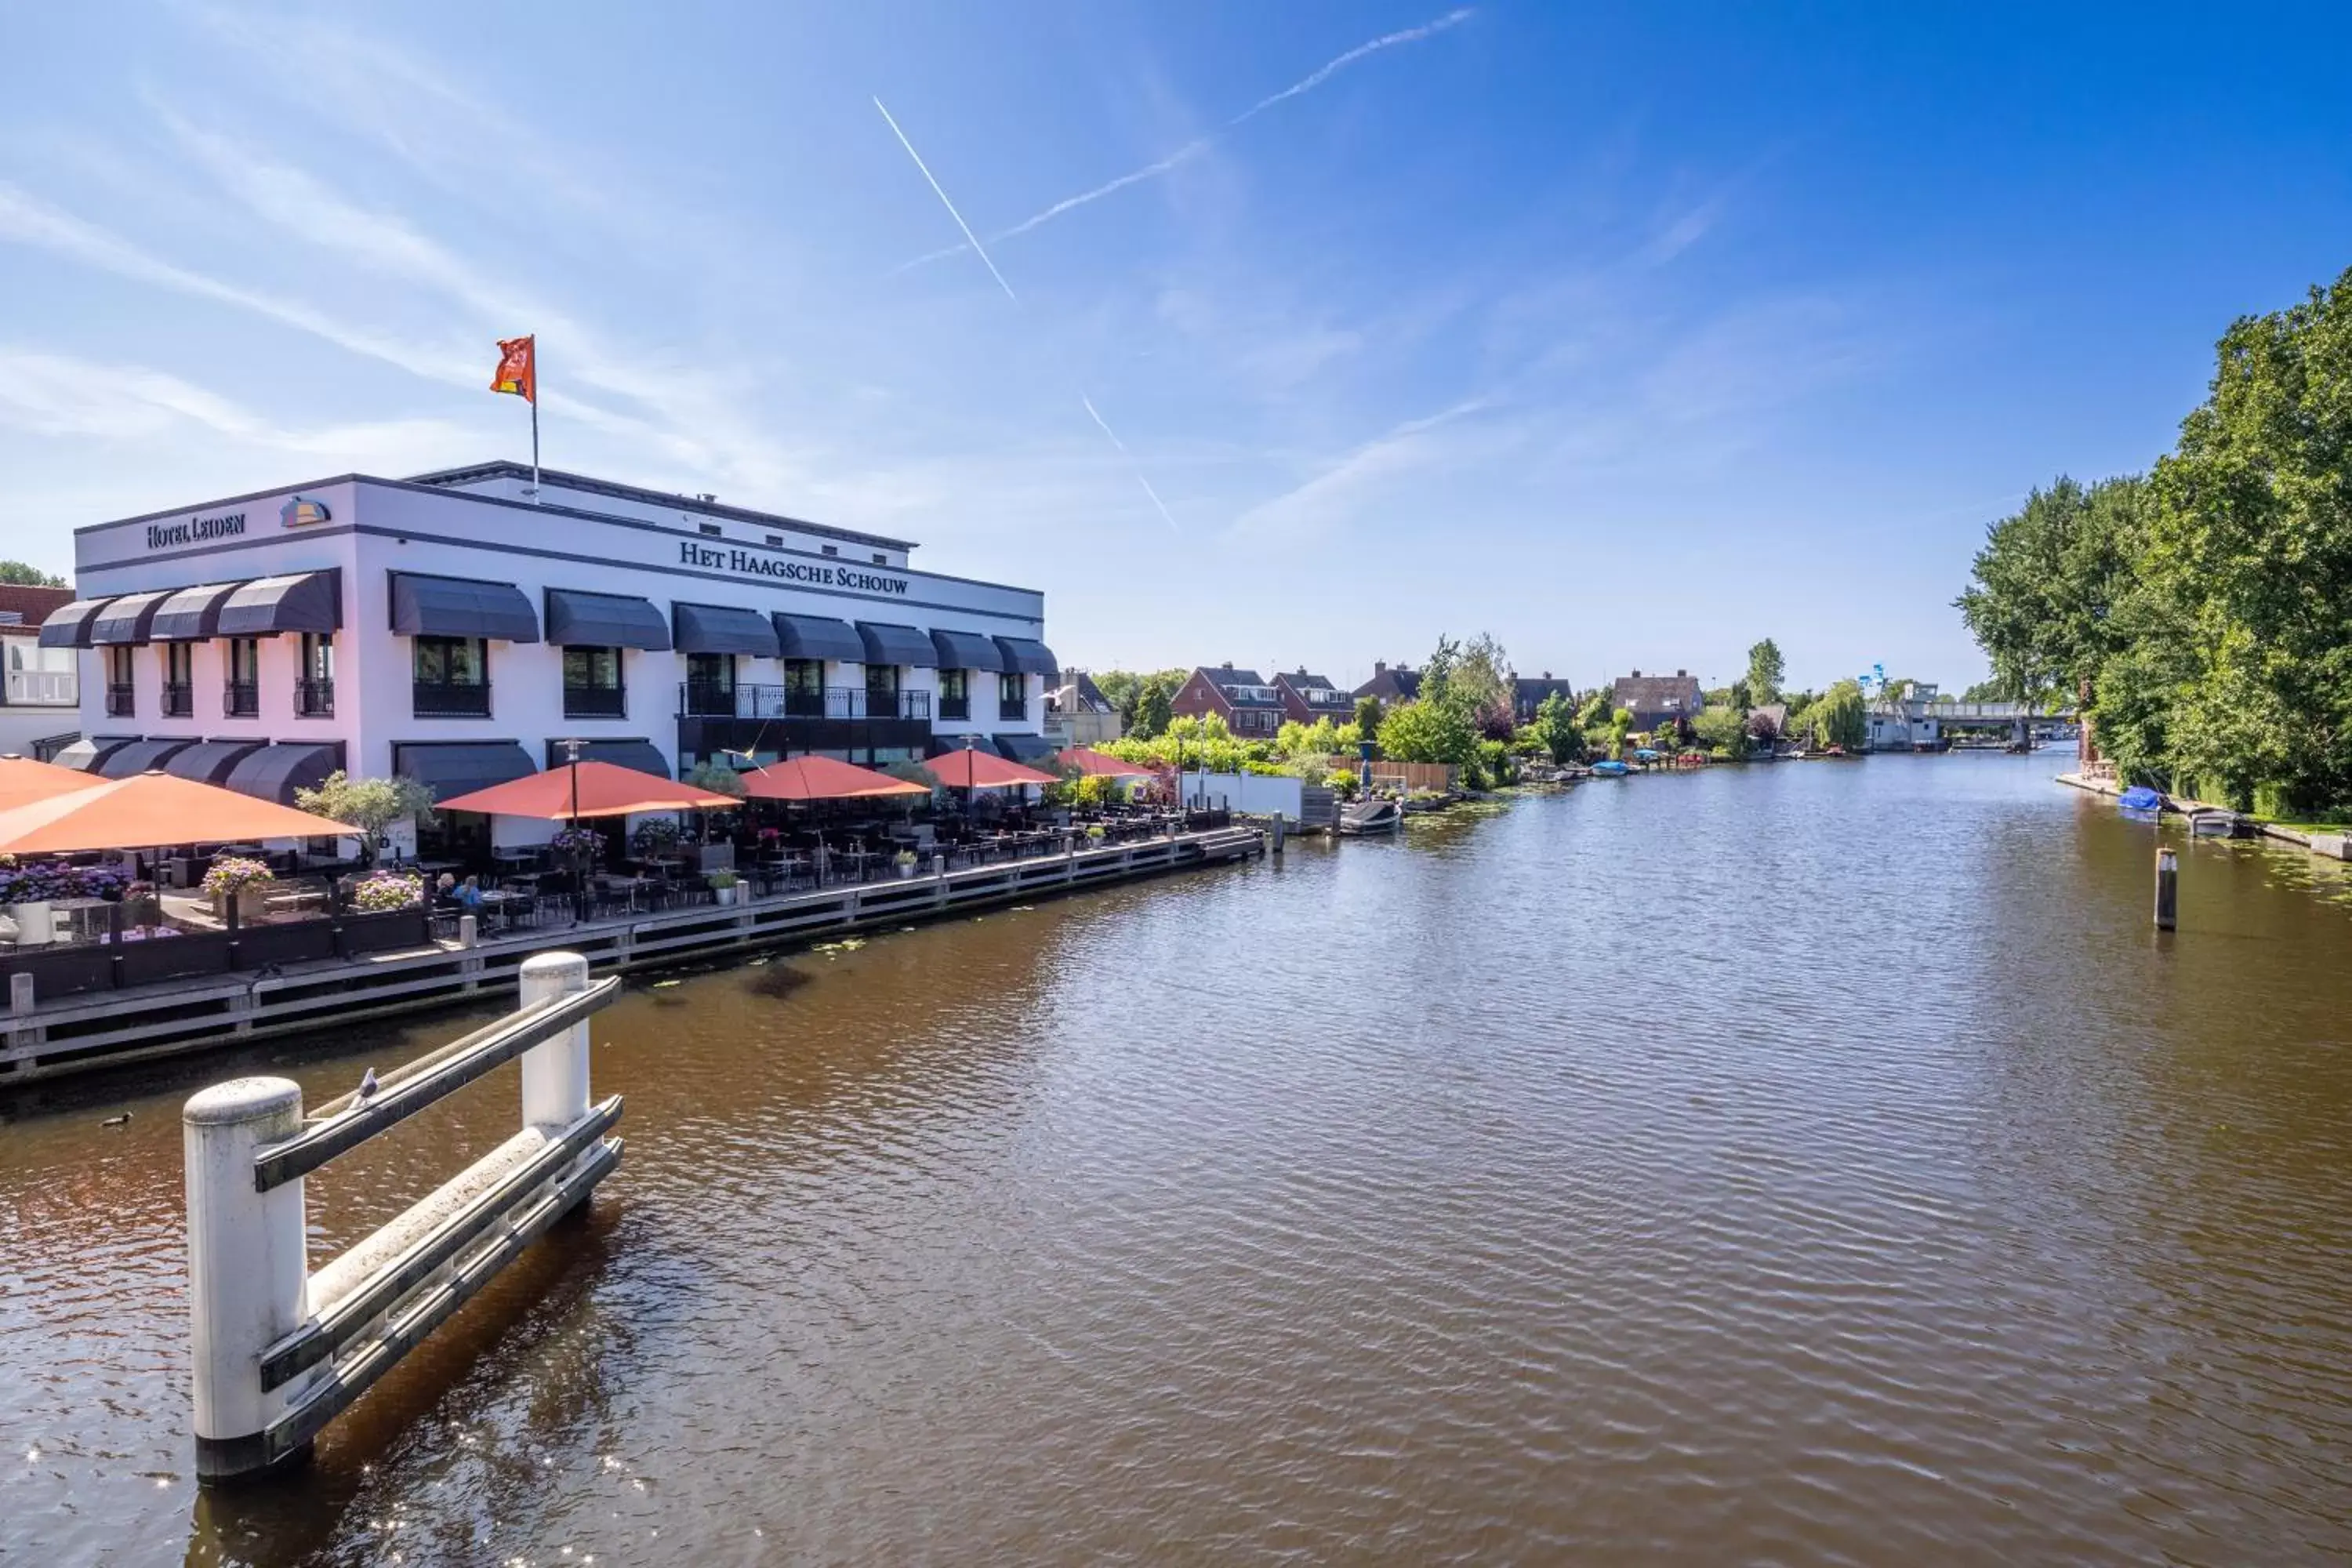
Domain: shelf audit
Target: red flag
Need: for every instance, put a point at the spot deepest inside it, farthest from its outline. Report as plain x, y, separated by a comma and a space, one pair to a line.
518, 369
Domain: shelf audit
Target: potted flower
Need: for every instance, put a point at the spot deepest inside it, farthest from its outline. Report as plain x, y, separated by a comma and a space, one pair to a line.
724, 887
580, 843
240, 881
382, 892
655, 837
905, 861
26, 890
1094, 832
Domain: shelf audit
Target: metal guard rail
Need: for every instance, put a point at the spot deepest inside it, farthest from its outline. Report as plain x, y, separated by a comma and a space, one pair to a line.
345, 1124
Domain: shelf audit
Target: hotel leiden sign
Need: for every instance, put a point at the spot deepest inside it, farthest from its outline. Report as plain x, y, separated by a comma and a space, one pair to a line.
839, 576
196, 531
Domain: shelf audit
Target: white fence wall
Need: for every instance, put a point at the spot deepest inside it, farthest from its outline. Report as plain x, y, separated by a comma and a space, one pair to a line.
1257, 793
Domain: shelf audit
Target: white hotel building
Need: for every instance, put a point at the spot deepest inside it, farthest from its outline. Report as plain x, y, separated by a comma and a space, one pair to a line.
448, 628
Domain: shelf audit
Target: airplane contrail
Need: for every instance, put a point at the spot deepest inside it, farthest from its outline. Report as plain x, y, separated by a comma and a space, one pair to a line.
982, 251
1201, 144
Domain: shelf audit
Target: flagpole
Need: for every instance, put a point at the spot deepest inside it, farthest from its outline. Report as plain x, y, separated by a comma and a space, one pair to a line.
534, 419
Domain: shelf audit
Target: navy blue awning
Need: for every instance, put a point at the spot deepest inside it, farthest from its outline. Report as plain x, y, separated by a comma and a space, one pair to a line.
819, 636
210, 761
634, 752
966, 650
141, 756
192, 614
721, 628
275, 772
298, 602
130, 620
450, 769
86, 755
575, 619
69, 626
889, 643
1023, 656
1028, 750
460, 607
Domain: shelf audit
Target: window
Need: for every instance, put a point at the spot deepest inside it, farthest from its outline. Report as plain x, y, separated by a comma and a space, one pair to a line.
119, 703
881, 692
880, 559
711, 685
314, 691
804, 689
592, 684
831, 549
179, 681
777, 540
453, 678
955, 694
709, 528
241, 697
1012, 697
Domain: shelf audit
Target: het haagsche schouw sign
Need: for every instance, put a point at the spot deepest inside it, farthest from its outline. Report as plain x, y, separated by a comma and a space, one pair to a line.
842, 579
196, 531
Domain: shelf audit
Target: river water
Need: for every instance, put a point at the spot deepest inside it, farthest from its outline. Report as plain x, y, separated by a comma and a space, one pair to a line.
1819, 1164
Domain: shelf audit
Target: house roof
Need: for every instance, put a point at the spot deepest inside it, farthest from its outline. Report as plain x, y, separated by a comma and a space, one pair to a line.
1642, 693
1539, 687
1398, 681
1225, 677
1300, 681
1079, 694
30, 607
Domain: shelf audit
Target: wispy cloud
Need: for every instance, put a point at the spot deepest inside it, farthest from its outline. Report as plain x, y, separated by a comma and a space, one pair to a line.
62, 395
1366, 477
1200, 145
982, 251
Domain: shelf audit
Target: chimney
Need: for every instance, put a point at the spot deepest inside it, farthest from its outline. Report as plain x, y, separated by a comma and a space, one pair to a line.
1636, 675
1546, 675
1682, 675
1379, 667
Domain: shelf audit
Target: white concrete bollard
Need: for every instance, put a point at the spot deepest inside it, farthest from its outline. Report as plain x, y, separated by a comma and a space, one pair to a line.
469, 932
246, 1268
555, 1071
20, 993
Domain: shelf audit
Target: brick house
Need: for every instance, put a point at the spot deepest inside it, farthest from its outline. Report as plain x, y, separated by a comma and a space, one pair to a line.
1391, 684
1306, 698
1655, 699
1250, 707
1530, 691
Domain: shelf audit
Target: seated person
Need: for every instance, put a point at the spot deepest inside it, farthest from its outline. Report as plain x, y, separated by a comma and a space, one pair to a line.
469, 892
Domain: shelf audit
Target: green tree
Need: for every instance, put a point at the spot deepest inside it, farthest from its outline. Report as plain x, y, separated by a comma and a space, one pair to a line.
1555, 729
1367, 716
1841, 718
1153, 712
1427, 731
718, 778
2045, 587
18, 575
1722, 729
370, 805
1765, 671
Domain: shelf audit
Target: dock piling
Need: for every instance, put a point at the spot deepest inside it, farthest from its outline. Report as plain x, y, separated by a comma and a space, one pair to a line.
248, 1276
2168, 888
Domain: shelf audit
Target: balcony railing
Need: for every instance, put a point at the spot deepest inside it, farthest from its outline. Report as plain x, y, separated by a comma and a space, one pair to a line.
43, 689
119, 704
595, 703
441, 700
179, 700
241, 699
1013, 710
315, 698
957, 708
699, 702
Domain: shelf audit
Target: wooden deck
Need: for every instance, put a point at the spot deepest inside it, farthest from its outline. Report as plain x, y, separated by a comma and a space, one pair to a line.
84, 1034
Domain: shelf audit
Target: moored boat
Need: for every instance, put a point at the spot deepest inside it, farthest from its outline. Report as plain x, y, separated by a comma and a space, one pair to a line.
1612, 769
2213, 822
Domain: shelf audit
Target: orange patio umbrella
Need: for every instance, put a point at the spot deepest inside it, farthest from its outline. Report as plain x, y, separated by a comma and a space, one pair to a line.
23, 779
972, 768
1101, 764
605, 789
824, 778
149, 809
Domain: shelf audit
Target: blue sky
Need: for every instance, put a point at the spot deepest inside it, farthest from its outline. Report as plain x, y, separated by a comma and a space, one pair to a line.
1629, 333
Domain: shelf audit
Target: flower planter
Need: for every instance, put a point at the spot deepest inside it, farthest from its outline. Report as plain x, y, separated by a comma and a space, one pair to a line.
727, 894
906, 870
252, 904
36, 925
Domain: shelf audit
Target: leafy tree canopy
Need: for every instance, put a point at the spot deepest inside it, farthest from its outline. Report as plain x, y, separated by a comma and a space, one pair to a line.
19, 575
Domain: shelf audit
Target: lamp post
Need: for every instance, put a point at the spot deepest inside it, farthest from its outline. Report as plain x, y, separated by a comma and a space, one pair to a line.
579, 871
